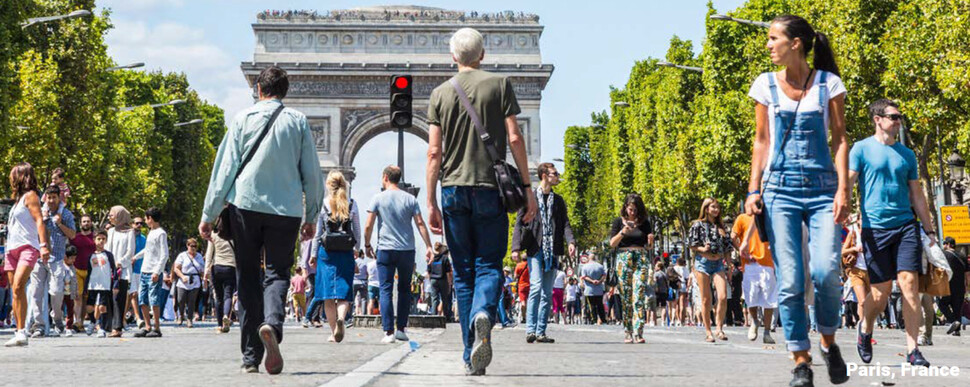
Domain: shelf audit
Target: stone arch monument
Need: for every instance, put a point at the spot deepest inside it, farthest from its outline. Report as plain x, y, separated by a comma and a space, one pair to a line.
340, 63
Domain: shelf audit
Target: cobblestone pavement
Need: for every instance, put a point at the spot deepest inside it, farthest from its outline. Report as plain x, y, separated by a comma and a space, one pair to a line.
582, 356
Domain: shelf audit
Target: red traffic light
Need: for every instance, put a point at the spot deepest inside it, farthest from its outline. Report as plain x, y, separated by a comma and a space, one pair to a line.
401, 82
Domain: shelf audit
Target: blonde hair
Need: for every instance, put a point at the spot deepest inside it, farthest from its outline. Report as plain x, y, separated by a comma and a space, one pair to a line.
337, 199
703, 215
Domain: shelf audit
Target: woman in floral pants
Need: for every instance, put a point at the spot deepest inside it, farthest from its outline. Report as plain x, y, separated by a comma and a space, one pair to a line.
632, 235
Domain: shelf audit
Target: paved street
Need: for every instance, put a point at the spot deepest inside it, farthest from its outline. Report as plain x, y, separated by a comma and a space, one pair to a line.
582, 356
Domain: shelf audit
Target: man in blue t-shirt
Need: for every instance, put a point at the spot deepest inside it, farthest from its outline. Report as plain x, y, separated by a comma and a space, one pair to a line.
890, 190
394, 210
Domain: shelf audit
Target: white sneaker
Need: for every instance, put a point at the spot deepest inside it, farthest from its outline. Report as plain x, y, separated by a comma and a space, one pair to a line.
388, 339
102, 333
57, 332
753, 332
401, 336
19, 339
69, 333
36, 334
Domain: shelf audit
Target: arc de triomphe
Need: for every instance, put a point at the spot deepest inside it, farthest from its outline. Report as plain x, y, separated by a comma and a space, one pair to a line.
340, 65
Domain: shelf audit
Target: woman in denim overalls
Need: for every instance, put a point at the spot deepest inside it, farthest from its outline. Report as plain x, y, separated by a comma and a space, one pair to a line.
803, 188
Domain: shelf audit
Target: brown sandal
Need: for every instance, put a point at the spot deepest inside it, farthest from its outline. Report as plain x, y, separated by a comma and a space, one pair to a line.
721, 335
708, 338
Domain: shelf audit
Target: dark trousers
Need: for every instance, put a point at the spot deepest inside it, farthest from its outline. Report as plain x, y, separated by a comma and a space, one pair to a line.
596, 307
851, 313
262, 296
952, 305
186, 305
441, 294
118, 306
735, 314
389, 262
224, 282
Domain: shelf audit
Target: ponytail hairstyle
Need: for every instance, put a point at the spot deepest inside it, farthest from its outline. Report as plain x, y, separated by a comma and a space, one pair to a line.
338, 201
797, 27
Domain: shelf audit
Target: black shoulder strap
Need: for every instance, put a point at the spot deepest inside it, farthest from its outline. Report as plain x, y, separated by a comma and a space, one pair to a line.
476, 121
259, 140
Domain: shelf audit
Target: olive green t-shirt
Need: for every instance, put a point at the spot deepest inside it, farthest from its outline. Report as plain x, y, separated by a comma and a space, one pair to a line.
465, 161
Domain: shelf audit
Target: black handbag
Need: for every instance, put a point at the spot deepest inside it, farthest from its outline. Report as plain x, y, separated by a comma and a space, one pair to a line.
338, 235
507, 177
225, 228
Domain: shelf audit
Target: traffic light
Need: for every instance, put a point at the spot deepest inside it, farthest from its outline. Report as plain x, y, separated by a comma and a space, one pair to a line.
401, 101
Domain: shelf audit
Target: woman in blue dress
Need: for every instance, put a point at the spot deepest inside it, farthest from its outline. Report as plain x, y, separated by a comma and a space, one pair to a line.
335, 262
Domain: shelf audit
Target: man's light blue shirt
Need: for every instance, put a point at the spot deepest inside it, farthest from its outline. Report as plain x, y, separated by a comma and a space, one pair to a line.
283, 169
884, 175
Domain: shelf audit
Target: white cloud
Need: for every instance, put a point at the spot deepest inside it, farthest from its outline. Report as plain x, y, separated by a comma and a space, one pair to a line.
173, 47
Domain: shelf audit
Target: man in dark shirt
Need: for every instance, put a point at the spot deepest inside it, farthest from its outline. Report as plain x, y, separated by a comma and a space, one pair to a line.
442, 279
952, 305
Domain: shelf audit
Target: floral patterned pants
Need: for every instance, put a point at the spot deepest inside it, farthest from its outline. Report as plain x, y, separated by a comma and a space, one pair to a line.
635, 273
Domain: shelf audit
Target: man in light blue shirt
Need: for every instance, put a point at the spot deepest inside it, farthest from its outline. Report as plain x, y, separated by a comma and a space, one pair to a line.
394, 210
891, 236
266, 207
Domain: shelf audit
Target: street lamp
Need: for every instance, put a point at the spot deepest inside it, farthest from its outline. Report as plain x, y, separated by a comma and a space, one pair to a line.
195, 121
127, 66
169, 103
741, 21
677, 66
47, 19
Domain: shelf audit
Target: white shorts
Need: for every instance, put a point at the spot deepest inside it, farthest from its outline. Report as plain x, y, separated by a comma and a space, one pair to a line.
759, 286
134, 283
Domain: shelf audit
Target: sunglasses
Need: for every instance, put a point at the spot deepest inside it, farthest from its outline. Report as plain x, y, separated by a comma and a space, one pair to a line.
894, 117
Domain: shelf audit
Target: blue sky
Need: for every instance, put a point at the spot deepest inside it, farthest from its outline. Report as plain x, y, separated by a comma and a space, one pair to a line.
593, 45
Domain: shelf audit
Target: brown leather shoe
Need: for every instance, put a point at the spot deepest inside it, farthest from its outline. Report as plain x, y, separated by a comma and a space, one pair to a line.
115, 334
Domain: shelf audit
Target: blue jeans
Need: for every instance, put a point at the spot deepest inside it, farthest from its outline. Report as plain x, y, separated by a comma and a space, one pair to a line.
389, 261
540, 294
503, 318
792, 200
477, 231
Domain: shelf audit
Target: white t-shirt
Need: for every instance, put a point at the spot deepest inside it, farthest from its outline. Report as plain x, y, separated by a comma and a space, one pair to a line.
560, 281
372, 279
761, 92
860, 261
572, 291
100, 275
191, 269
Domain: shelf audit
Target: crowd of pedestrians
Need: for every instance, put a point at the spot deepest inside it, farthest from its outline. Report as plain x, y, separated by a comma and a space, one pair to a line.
794, 258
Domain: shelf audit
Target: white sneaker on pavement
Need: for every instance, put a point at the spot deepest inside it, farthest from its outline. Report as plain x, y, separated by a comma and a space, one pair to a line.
753, 332
36, 334
19, 339
388, 339
401, 336
102, 333
69, 333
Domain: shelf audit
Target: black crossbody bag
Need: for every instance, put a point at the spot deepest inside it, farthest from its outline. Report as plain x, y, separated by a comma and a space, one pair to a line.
507, 177
225, 230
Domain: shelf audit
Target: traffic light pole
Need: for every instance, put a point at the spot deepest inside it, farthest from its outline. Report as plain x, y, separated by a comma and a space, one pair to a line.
400, 151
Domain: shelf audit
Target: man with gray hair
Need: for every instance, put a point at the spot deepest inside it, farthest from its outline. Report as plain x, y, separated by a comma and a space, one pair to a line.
474, 218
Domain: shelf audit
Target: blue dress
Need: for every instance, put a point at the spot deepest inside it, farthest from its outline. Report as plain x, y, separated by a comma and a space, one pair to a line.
335, 275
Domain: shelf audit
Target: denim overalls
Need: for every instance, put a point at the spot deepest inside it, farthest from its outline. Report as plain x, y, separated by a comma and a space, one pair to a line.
799, 190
